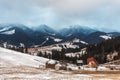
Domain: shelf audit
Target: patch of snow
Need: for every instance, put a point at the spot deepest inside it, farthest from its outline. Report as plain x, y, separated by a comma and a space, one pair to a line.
83, 75
56, 39
5, 29
49, 52
8, 32
72, 67
51, 62
68, 55
106, 37
53, 34
47, 39
84, 42
22, 45
76, 54
103, 68
89, 69
13, 58
58, 65
5, 44
76, 40
70, 45
56, 48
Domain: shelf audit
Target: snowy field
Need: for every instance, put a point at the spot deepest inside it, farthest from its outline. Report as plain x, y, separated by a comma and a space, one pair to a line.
18, 66
31, 73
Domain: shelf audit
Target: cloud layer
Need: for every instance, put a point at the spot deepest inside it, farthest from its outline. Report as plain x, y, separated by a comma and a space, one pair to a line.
62, 13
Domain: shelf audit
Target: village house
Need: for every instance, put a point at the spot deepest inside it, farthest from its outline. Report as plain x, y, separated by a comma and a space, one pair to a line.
92, 63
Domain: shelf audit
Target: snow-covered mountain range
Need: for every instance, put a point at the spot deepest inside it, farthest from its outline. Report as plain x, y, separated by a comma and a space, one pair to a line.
44, 35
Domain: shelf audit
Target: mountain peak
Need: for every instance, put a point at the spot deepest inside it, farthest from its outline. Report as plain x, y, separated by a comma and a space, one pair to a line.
83, 29
77, 29
44, 29
42, 26
79, 26
20, 26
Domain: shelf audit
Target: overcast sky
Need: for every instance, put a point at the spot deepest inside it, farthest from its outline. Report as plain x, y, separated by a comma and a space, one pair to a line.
62, 13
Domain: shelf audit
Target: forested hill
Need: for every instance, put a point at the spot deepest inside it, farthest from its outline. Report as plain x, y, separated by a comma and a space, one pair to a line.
101, 50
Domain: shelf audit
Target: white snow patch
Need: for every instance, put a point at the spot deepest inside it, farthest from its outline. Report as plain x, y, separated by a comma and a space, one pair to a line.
56, 48
102, 68
9, 32
47, 39
5, 29
84, 42
9, 57
83, 75
106, 37
89, 69
72, 67
56, 39
76, 40
69, 45
51, 62
76, 54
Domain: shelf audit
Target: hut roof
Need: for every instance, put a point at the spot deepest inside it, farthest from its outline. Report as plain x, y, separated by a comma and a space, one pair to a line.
51, 62
91, 59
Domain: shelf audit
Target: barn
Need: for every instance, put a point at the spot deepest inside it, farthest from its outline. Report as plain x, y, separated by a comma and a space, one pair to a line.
92, 63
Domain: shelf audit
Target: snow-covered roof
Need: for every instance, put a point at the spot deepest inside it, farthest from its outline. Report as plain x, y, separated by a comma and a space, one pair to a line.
51, 62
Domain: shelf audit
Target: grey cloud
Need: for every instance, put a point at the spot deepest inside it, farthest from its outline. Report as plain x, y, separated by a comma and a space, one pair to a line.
100, 13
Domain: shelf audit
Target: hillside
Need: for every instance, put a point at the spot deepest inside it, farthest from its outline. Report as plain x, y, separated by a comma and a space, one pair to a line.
15, 65
104, 50
13, 58
18, 66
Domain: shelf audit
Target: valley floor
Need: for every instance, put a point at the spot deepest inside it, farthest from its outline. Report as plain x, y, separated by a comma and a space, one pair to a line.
33, 73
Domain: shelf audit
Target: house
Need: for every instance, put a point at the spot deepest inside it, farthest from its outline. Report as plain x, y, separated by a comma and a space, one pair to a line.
51, 64
92, 63
60, 67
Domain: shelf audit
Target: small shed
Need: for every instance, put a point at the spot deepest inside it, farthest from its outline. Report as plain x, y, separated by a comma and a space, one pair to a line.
92, 63
60, 67
51, 64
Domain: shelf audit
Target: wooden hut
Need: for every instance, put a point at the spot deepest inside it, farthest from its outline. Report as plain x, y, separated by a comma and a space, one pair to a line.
92, 63
51, 64
60, 67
